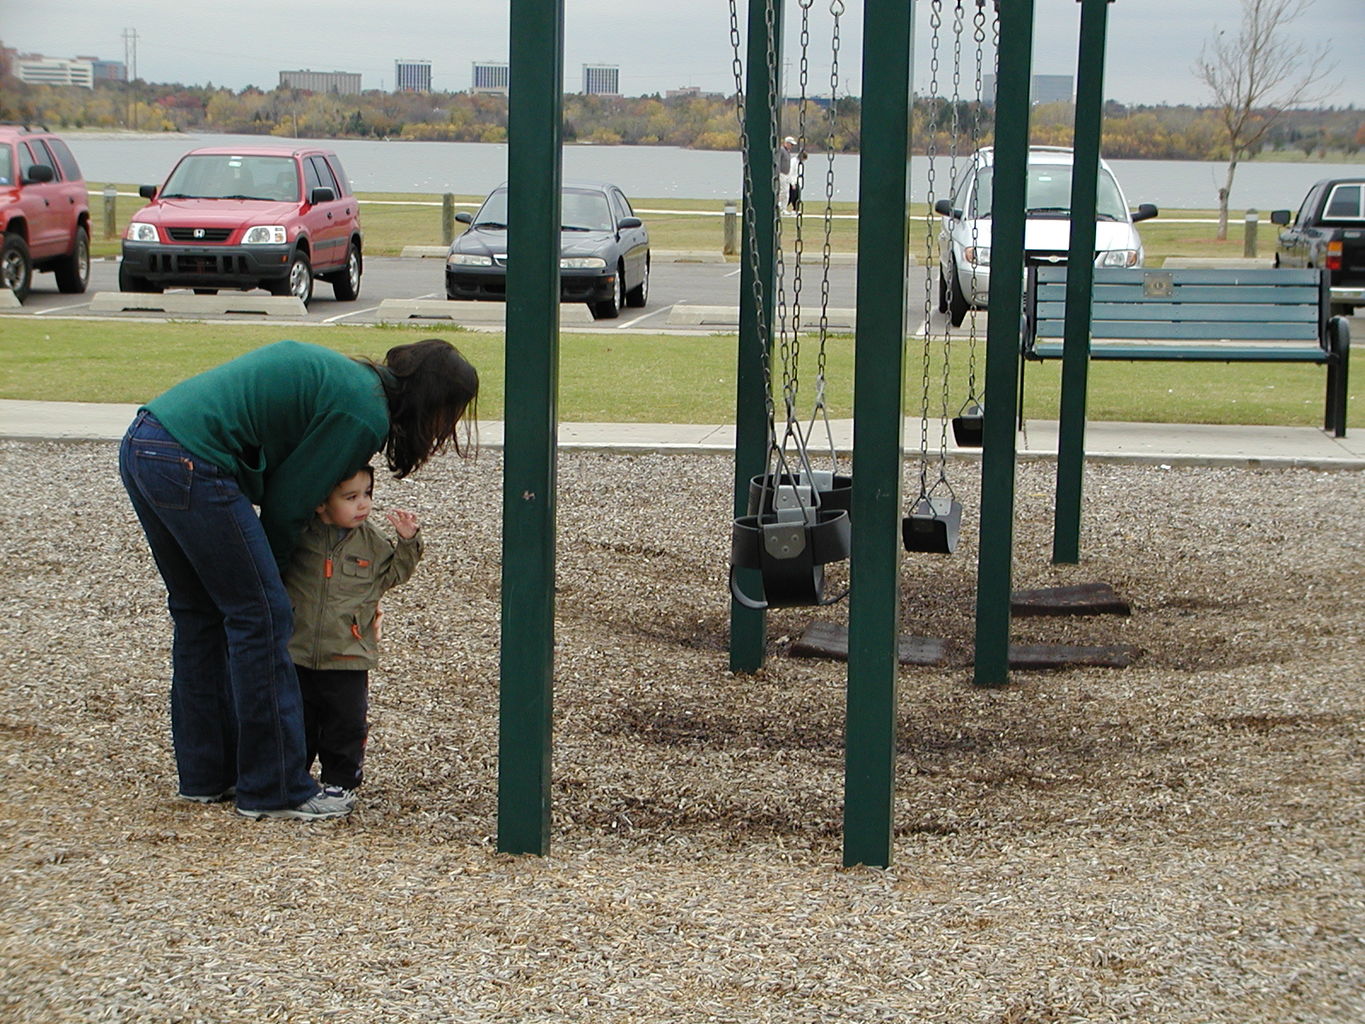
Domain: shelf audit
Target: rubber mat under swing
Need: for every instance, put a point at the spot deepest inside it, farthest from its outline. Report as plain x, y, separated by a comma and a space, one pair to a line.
830, 640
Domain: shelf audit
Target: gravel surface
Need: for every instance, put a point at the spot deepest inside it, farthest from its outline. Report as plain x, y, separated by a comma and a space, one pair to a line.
1178, 841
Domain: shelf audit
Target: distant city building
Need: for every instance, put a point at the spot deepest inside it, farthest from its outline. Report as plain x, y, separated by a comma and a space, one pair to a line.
1052, 89
1043, 89
601, 80
687, 90
412, 76
110, 70
36, 69
343, 83
490, 76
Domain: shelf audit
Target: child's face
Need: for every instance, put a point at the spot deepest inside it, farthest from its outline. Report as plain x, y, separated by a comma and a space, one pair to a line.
350, 502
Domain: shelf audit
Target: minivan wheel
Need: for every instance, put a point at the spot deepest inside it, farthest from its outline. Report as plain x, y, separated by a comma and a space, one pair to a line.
957, 302
346, 282
16, 268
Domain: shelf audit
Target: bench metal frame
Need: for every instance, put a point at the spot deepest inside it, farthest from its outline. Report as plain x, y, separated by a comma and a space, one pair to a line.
1197, 315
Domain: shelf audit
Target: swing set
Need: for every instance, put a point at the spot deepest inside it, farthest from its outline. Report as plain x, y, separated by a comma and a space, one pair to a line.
792, 520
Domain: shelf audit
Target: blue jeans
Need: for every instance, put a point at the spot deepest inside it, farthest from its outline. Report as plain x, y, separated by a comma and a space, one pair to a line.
236, 712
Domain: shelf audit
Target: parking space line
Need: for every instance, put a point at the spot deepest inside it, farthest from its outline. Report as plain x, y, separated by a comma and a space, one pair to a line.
645, 316
354, 312
61, 309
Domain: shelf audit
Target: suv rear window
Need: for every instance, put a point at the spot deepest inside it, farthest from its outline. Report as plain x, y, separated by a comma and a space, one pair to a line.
6, 165
1345, 203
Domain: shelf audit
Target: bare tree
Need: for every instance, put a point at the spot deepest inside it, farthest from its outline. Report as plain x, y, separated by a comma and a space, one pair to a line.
1258, 75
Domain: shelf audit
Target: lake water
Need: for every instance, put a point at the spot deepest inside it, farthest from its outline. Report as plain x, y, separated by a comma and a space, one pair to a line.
661, 172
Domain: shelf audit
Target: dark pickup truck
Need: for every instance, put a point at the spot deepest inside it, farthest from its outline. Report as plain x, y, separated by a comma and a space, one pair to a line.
1329, 231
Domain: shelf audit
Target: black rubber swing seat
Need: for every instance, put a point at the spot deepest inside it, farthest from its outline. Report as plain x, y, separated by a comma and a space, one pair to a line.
969, 426
933, 526
790, 553
792, 490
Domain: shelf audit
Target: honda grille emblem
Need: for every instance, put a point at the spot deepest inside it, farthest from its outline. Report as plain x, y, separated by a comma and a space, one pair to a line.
198, 232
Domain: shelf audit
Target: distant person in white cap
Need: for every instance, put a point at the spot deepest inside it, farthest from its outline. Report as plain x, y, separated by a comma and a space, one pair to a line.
789, 175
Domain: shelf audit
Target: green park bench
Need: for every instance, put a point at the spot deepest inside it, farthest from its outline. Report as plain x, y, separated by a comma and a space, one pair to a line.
1197, 315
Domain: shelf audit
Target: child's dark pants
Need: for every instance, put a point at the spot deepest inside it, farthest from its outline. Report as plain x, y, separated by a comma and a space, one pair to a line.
335, 705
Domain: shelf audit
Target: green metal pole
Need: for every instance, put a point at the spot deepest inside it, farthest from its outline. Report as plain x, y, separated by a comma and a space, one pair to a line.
748, 628
878, 426
1002, 343
1080, 278
532, 378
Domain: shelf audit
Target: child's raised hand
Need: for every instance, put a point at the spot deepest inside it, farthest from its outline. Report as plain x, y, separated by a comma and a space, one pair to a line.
404, 522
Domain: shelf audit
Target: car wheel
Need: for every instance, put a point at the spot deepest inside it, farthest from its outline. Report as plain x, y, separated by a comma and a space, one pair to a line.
942, 290
73, 273
16, 268
639, 295
130, 282
610, 309
957, 302
299, 283
346, 283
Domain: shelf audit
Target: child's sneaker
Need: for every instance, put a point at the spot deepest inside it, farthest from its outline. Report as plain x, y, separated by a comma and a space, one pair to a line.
341, 793
210, 798
318, 807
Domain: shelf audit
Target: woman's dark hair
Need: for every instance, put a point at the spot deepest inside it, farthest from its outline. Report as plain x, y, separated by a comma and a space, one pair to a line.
431, 388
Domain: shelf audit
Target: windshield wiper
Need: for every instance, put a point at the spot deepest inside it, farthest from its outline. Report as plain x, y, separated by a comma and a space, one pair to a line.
495, 225
1106, 216
576, 227
1046, 209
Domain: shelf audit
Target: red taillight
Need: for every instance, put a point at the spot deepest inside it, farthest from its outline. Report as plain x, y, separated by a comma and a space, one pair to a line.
1333, 256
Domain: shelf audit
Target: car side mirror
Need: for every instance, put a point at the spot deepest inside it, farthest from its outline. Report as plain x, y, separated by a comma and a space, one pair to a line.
1279, 217
1145, 211
321, 194
147, 191
39, 174
465, 217
629, 222
945, 207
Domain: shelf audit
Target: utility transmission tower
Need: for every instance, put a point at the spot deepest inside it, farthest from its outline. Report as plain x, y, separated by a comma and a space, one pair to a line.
130, 69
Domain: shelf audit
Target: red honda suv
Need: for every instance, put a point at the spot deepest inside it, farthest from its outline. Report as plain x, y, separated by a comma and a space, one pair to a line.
255, 217
44, 211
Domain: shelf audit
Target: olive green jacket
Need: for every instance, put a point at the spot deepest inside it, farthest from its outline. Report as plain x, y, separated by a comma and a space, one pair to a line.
335, 579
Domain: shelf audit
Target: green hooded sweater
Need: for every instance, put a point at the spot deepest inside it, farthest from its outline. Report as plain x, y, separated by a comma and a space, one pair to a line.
287, 421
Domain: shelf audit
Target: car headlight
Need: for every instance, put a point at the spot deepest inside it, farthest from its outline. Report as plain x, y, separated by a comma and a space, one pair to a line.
265, 234
582, 263
978, 255
138, 232
1117, 258
468, 259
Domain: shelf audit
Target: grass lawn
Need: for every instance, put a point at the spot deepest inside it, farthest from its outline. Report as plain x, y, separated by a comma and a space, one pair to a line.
619, 378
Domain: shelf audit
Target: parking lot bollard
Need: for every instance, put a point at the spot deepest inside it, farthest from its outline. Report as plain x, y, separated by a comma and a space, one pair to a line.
110, 212
448, 218
731, 246
1249, 234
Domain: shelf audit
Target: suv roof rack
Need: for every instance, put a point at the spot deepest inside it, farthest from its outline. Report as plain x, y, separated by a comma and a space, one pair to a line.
26, 127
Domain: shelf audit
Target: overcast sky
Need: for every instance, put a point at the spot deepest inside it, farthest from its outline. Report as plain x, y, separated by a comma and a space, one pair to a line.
657, 45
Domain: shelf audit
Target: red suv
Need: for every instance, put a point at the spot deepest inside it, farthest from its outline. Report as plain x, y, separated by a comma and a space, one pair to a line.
254, 217
44, 211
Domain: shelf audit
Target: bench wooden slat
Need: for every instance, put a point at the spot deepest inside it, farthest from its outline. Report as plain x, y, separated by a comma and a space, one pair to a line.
1187, 312
1216, 295
1120, 351
1239, 276
1193, 331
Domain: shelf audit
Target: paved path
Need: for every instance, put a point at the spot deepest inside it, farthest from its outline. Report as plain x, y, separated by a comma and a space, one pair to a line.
1169, 443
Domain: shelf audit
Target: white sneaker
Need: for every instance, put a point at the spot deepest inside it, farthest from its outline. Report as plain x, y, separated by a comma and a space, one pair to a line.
319, 807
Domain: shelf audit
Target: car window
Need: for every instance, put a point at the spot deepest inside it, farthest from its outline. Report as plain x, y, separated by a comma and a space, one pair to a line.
343, 182
6, 165
230, 176
625, 204
1049, 191
324, 174
586, 211
71, 170
34, 154
1344, 203
493, 212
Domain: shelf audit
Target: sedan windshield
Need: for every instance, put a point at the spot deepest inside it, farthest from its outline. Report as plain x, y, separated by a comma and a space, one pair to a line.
579, 211
222, 176
1049, 194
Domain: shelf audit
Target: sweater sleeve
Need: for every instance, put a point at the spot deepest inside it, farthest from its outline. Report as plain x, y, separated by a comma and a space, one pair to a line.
335, 447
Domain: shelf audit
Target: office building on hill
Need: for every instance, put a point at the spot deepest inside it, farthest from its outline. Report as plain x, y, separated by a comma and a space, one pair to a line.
36, 69
490, 76
342, 83
412, 76
601, 80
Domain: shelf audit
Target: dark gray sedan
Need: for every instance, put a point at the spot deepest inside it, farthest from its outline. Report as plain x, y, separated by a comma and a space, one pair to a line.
603, 259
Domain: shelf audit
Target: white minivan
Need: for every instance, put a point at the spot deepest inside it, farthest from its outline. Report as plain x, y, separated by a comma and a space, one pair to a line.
965, 232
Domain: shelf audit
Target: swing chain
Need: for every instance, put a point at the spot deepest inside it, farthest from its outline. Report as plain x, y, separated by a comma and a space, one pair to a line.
836, 9
979, 39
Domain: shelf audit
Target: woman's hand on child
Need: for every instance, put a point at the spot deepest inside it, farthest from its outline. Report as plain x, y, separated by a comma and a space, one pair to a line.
404, 522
